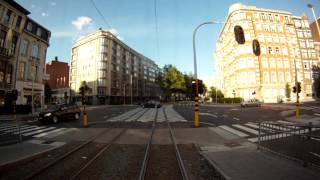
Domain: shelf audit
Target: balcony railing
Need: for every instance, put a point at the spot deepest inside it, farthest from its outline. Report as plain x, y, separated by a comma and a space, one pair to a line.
6, 52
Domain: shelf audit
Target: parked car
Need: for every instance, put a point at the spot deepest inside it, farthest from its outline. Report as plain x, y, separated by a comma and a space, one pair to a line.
61, 112
251, 103
152, 104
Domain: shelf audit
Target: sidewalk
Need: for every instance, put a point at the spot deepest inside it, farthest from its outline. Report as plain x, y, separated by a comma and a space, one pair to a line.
238, 159
28, 149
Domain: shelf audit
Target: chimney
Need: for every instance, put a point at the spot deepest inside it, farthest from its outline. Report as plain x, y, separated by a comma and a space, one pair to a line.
56, 58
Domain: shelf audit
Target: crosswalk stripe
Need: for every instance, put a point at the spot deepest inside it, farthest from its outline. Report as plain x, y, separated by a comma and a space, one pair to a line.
233, 131
38, 131
317, 114
61, 132
13, 127
32, 129
21, 128
48, 132
250, 124
285, 122
252, 131
277, 127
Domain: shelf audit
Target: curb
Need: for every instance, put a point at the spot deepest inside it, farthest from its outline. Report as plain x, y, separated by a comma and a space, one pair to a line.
215, 166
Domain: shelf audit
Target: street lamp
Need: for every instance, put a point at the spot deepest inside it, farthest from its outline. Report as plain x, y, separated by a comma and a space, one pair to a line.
196, 104
315, 18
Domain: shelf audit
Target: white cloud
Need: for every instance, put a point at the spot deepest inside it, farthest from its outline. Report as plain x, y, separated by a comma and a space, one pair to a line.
53, 3
44, 14
81, 22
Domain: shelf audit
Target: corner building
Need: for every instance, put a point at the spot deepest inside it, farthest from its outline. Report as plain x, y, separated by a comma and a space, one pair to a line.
112, 70
285, 42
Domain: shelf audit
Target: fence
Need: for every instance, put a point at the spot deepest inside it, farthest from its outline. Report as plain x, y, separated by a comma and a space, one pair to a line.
298, 141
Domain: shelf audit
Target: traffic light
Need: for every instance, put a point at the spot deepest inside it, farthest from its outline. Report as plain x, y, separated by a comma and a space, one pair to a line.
256, 47
294, 89
194, 87
239, 34
200, 87
299, 87
82, 91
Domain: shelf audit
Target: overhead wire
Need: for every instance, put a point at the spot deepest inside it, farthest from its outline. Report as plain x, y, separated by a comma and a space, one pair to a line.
99, 12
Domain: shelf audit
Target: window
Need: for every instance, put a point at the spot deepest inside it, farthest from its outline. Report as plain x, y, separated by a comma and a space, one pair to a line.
29, 26
277, 50
274, 77
280, 29
39, 32
14, 43
35, 51
270, 17
266, 77
266, 28
18, 23
288, 77
286, 19
24, 47
3, 35
264, 63
281, 77
306, 65
7, 16
277, 18
22, 67
263, 17
272, 63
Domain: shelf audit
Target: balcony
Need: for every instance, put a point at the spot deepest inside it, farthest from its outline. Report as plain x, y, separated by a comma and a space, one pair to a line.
6, 52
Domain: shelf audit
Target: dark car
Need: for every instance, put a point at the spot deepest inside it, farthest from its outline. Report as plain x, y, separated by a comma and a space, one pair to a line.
152, 104
59, 113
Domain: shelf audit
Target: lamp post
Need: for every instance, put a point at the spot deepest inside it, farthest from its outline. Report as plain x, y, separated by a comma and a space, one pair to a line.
196, 99
315, 18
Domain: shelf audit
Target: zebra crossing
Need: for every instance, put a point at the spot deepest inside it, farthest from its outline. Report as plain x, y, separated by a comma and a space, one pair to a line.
250, 130
32, 131
148, 114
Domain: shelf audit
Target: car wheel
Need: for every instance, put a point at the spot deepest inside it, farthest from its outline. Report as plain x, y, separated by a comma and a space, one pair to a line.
55, 119
76, 116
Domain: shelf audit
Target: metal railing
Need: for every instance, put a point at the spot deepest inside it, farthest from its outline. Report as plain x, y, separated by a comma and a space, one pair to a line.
297, 141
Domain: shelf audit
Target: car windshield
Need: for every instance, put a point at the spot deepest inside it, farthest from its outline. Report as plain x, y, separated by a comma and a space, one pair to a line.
159, 89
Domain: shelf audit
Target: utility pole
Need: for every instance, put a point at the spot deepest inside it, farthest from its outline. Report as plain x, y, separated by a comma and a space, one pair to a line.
131, 87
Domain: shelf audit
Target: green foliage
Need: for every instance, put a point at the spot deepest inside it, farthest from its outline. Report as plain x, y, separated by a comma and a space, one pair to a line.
83, 90
288, 91
213, 95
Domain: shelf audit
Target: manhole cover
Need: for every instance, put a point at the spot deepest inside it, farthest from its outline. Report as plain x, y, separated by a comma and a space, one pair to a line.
48, 142
232, 144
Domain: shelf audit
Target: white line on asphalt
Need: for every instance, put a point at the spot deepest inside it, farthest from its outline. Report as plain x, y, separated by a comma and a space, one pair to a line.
106, 116
246, 129
38, 131
316, 114
237, 119
250, 124
32, 129
21, 128
12, 128
285, 122
61, 132
208, 114
224, 115
48, 132
315, 154
233, 131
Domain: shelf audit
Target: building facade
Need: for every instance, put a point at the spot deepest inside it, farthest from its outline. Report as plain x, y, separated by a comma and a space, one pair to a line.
287, 50
58, 80
12, 20
114, 71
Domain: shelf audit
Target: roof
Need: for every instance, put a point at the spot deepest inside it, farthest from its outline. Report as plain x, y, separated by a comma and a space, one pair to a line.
17, 6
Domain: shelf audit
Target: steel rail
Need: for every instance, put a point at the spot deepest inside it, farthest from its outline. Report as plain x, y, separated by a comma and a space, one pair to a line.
143, 170
177, 152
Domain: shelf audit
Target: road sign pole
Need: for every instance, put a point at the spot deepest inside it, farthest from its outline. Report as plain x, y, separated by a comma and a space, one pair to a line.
196, 106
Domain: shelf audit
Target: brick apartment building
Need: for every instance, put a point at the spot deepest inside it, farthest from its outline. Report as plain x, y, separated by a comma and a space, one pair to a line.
59, 80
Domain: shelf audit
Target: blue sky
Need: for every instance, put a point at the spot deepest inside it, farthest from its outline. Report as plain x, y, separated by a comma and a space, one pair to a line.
134, 22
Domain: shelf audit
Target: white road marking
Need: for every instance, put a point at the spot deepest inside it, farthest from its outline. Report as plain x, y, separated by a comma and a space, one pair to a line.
315, 154
61, 132
224, 115
12, 127
285, 122
250, 124
208, 114
237, 119
49, 132
38, 131
252, 131
233, 131
316, 114
32, 129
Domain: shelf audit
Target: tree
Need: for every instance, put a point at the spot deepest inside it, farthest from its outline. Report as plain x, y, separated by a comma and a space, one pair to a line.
288, 91
172, 81
47, 92
215, 93
83, 90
